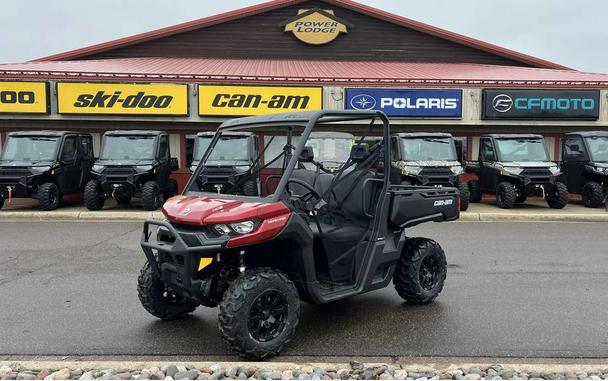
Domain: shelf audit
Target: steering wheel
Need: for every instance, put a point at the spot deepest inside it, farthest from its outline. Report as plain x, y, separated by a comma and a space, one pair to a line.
306, 197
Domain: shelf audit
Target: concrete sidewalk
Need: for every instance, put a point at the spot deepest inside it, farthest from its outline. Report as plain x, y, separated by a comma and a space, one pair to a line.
532, 210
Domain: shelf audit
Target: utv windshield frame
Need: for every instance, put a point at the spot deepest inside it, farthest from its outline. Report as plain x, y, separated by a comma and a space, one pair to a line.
501, 155
587, 141
448, 140
306, 120
155, 143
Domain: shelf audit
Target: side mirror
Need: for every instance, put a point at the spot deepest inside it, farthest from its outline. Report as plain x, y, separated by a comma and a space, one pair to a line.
174, 164
461, 149
307, 155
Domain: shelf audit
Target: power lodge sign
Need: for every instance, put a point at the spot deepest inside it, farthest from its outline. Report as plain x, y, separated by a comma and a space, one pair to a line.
24, 97
122, 98
257, 100
316, 26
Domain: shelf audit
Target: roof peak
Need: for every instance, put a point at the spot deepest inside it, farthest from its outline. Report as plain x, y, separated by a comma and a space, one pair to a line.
277, 4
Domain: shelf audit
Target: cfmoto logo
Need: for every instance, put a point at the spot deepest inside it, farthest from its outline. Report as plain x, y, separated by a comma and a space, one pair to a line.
363, 102
502, 103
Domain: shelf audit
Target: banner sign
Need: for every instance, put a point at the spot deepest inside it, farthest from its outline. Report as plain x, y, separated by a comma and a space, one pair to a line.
257, 100
122, 98
406, 102
541, 104
24, 97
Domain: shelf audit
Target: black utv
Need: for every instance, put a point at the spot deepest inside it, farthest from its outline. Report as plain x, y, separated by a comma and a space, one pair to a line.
585, 165
430, 158
233, 166
258, 256
515, 166
44, 165
132, 163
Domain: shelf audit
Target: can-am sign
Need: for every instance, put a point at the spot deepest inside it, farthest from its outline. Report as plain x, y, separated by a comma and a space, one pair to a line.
418, 103
316, 26
541, 104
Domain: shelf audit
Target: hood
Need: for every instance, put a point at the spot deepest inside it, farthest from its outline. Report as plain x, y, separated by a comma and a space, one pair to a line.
205, 210
124, 163
25, 163
528, 164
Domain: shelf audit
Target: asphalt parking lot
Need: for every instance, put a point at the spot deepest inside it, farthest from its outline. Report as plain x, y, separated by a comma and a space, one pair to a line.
513, 289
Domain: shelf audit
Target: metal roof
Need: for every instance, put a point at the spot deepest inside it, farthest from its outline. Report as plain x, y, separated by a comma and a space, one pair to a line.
135, 132
277, 4
226, 133
353, 73
588, 133
45, 133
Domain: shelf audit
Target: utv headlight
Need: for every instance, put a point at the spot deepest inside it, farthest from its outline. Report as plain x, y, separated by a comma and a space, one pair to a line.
243, 227
555, 170
457, 169
600, 169
513, 170
222, 229
144, 168
98, 168
41, 169
411, 170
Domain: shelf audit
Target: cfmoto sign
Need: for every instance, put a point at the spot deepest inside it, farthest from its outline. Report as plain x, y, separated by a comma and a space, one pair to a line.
541, 104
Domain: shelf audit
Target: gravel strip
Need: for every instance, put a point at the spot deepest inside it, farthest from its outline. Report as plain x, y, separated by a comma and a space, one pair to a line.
257, 371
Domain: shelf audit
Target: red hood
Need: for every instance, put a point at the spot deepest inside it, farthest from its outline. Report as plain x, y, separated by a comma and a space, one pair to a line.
192, 210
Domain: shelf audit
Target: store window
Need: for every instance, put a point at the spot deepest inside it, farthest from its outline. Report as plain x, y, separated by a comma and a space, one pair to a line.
190, 139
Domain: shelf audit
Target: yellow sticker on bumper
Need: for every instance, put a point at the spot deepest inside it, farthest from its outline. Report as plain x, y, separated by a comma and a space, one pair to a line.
204, 262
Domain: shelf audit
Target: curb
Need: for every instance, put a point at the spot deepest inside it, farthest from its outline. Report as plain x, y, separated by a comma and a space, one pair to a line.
85, 216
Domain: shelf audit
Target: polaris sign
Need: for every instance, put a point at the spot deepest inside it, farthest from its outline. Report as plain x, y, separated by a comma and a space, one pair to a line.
406, 102
541, 104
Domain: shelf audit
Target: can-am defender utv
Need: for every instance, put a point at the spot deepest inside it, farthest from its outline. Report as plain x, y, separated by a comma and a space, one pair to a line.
44, 165
257, 257
132, 163
515, 166
585, 165
233, 166
429, 158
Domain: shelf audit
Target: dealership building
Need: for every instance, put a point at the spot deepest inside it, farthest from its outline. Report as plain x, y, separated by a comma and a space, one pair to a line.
296, 55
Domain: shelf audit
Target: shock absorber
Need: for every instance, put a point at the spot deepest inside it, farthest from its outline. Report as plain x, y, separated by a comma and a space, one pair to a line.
242, 267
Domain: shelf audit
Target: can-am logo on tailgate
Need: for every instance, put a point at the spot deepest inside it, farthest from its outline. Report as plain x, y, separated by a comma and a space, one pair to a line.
316, 26
443, 202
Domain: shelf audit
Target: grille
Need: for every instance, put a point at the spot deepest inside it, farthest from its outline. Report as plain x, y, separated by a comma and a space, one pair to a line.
117, 171
436, 172
14, 172
536, 172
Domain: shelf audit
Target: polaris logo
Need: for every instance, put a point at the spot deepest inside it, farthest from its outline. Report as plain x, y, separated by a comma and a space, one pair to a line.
443, 202
420, 103
140, 100
294, 102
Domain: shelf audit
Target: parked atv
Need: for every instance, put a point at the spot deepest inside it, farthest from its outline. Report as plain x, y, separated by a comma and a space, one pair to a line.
585, 166
429, 158
513, 167
233, 165
44, 165
331, 149
132, 164
257, 257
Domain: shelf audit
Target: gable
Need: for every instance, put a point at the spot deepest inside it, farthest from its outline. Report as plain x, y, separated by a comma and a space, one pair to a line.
262, 36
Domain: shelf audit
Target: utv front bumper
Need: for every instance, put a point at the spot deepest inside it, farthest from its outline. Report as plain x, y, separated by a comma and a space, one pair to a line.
176, 258
16, 186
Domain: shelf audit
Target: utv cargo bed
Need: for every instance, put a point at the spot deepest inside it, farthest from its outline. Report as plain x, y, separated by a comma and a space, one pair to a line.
413, 205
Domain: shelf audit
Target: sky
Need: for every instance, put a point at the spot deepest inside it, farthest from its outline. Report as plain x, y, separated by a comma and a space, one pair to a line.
571, 33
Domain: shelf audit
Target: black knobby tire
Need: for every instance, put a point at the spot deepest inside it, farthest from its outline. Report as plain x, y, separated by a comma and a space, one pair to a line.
250, 188
158, 300
123, 199
474, 191
150, 195
48, 196
465, 196
421, 271
557, 197
1, 202
505, 195
250, 330
171, 190
93, 197
592, 194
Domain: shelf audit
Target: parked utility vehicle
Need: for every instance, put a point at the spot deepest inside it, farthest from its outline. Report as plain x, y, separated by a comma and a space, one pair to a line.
132, 163
330, 149
233, 166
44, 165
257, 257
515, 166
429, 158
585, 166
